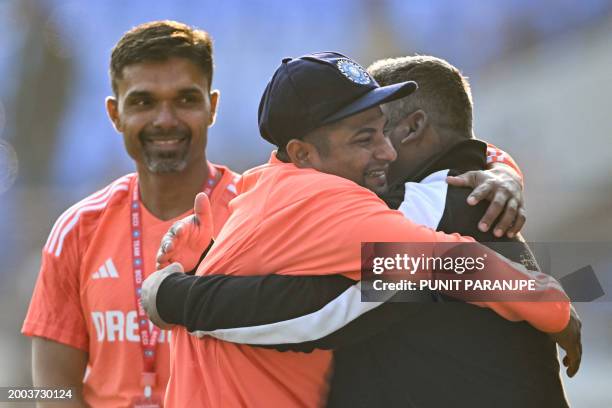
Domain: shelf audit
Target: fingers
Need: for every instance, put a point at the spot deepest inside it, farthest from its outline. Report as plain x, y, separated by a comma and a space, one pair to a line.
201, 209
574, 363
186, 238
519, 222
495, 208
574, 357
481, 192
166, 245
164, 254
507, 218
175, 230
164, 250
468, 179
569, 361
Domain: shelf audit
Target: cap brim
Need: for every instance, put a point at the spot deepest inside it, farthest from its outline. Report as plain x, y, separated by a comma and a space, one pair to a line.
375, 97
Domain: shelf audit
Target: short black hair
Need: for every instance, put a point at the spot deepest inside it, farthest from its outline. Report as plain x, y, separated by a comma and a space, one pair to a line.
443, 93
320, 142
160, 41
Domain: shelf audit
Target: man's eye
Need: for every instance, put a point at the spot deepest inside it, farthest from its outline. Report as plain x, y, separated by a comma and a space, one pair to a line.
363, 140
190, 99
141, 102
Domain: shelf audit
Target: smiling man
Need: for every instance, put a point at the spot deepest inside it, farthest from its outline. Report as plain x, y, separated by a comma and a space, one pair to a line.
163, 149
307, 212
84, 313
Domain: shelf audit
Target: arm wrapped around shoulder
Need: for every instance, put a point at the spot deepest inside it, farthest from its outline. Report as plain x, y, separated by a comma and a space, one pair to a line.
150, 287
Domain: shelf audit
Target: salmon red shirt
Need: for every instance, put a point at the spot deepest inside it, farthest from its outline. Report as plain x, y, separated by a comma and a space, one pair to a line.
85, 297
288, 221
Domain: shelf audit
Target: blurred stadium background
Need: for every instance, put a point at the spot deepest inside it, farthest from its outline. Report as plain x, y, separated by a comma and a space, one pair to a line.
541, 74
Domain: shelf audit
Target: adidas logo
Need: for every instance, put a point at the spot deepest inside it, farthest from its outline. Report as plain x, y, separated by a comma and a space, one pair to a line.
107, 270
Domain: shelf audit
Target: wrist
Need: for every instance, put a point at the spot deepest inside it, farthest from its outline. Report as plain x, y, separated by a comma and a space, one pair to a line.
149, 296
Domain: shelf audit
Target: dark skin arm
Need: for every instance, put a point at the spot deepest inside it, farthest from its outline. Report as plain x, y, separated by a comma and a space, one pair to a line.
569, 339
57, 365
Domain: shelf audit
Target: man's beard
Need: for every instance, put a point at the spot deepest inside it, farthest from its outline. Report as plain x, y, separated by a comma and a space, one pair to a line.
160, 161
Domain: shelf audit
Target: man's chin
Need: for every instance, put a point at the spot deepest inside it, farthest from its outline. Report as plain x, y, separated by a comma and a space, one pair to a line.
166, 166
378, 188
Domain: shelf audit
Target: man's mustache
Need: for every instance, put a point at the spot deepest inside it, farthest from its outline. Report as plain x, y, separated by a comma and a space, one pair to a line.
164, 134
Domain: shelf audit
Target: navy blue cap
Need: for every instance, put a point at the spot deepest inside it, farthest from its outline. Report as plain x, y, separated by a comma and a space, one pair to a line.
318, 89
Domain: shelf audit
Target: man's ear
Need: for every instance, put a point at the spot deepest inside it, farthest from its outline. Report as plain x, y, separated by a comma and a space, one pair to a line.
112, 109
302, 154
412, 127
214, 102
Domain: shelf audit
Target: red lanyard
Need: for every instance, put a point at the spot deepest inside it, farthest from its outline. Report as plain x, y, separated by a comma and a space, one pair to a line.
149, 334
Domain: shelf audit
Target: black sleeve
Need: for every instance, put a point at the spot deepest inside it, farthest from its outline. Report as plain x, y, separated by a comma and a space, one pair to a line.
214, 302
367, 325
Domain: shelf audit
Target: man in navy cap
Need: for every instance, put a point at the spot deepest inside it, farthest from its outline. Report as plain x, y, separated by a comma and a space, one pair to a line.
296, 217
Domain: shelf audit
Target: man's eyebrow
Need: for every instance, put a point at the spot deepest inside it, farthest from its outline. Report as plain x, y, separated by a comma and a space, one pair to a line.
137, 94
140, 93
190, 90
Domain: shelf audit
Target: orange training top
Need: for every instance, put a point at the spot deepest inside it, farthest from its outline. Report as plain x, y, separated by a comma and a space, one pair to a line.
294, 221
85, 297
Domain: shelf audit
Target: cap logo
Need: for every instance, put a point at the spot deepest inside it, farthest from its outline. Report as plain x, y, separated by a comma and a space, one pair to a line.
353, 71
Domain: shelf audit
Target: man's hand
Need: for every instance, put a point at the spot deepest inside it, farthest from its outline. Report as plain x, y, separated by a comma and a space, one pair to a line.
148, 296
188, 238
502, 187
569, 340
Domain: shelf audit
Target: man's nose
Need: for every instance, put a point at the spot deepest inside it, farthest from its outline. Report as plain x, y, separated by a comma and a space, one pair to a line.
165, 117
385, 151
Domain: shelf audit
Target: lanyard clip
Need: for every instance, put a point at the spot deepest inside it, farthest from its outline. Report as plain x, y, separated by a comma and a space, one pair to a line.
148, 380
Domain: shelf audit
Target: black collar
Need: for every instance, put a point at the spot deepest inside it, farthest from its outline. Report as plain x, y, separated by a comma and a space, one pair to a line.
464, 156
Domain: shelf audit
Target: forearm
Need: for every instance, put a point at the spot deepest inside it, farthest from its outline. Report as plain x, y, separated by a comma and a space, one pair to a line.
208, 303
497, 157
60, 366
546, 308
368, 324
